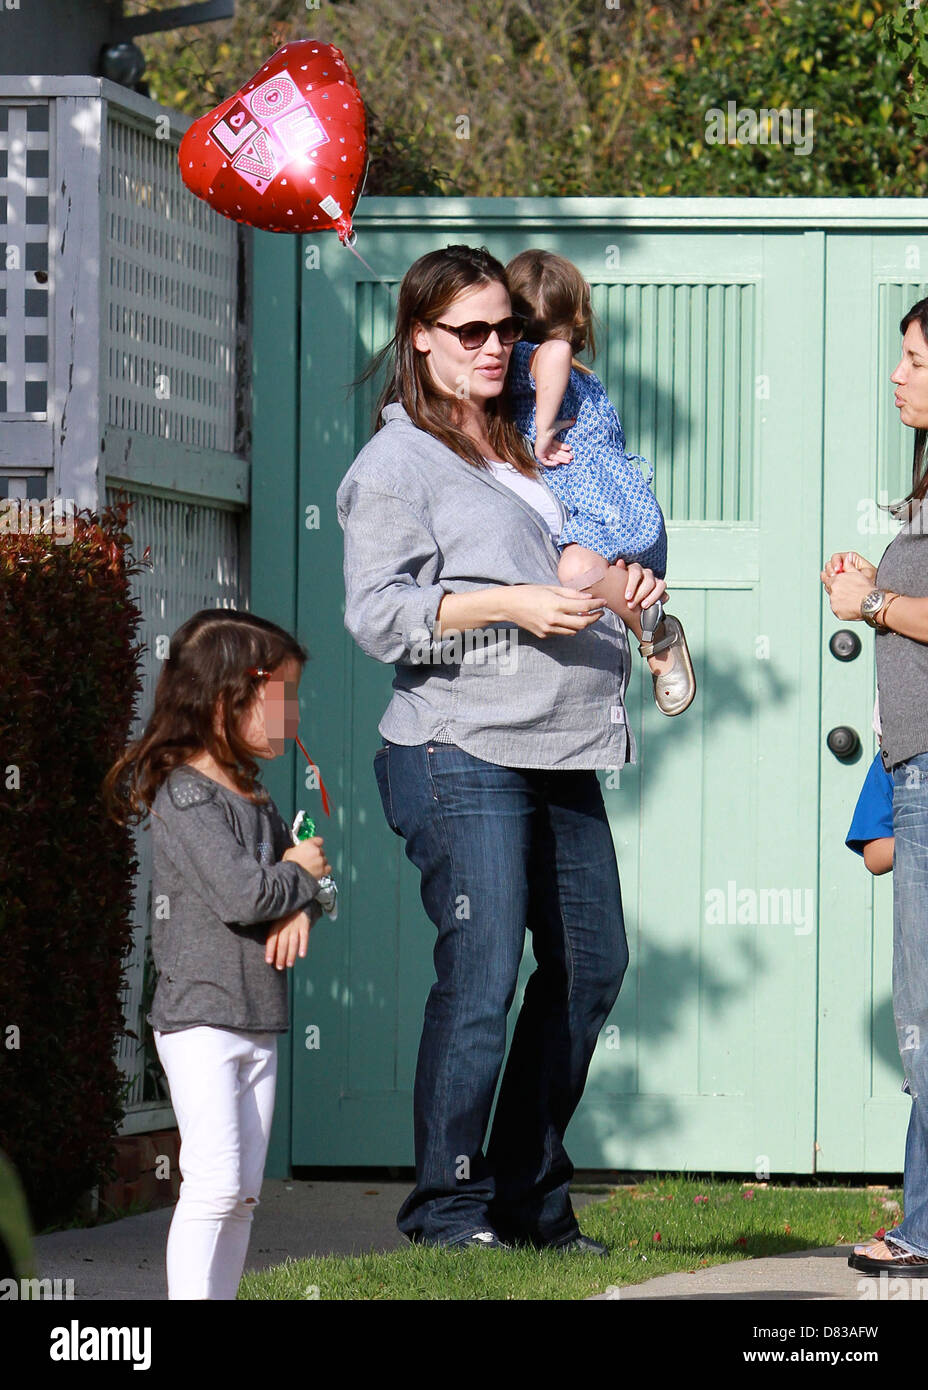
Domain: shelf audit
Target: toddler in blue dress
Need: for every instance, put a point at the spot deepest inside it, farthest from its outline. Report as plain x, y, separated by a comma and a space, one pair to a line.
612, 512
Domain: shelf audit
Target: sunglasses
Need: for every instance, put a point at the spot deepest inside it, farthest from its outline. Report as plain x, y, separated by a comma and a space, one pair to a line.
473, 335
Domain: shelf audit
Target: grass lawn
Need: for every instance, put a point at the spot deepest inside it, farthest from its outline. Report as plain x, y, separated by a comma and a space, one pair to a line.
660, 1227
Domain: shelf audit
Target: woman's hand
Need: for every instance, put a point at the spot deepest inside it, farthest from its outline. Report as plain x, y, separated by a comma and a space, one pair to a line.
848, 578
641, 589
287, 938
310, 855
549, 611
627, 589
845, 592
841, 563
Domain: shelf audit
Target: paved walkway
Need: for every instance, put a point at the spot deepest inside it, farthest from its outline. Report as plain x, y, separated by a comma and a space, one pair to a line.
124, 1260
802, 1275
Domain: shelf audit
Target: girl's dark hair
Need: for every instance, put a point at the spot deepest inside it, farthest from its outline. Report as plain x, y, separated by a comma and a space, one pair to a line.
429, 286
553, 296
206, 673
917, 314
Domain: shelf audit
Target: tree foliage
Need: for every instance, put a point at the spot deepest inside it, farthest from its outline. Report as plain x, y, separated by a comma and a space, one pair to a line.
598, 97
904, 29
822, 57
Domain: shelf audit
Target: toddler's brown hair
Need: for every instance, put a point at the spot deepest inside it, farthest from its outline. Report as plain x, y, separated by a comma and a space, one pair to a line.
552, 295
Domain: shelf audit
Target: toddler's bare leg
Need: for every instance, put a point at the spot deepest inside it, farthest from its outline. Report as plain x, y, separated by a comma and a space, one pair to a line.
580, 568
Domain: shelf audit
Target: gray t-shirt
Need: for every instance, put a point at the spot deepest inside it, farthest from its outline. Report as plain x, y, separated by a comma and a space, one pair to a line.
217, 886
901, 662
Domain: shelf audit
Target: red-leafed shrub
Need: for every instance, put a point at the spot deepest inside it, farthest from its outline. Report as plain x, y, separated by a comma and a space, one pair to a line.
68, 681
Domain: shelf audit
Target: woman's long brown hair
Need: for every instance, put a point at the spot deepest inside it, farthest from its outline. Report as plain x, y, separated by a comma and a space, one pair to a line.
203, 691
918, 313
429, 286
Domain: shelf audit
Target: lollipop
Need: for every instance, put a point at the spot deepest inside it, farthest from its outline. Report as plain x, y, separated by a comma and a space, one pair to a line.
304, 829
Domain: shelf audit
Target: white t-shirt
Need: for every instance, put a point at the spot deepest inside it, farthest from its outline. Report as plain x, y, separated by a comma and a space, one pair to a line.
531, 491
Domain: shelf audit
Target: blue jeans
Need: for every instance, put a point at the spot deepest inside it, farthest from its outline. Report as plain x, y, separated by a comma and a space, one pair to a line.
501, 849
910, 986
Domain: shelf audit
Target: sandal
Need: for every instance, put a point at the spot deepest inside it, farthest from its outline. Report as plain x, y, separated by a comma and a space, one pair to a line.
674, 690
903, 1266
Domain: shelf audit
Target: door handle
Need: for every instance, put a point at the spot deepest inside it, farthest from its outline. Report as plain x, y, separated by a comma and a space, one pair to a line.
844, 645
844, 742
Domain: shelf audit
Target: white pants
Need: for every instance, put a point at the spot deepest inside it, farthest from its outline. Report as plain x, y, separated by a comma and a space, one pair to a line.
222, 1090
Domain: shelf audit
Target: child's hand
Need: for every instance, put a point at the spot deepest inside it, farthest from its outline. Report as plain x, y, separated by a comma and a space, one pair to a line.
287, 938
550, 451
310, 855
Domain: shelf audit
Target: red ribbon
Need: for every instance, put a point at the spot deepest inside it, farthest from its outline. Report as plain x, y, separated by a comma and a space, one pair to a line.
325, 795
260, 671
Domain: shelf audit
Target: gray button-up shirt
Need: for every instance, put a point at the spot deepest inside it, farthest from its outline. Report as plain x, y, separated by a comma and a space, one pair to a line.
420, 522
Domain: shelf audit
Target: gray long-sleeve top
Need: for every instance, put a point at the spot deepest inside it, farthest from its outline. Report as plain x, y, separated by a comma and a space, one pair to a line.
217, 886
420, 522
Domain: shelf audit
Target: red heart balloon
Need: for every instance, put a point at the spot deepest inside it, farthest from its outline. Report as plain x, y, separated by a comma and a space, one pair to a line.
287, 152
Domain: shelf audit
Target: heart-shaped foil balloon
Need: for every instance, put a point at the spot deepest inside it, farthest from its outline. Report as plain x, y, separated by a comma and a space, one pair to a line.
287, 152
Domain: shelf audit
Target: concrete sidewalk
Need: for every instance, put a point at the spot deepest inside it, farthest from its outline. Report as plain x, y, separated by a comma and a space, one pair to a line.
800, 1276
124, 1260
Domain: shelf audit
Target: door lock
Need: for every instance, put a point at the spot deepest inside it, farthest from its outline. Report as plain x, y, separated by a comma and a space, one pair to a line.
844, 645
844, 742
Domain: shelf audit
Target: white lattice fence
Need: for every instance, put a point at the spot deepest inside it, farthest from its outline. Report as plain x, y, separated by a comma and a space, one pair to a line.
24, 158
169, 331
25, 291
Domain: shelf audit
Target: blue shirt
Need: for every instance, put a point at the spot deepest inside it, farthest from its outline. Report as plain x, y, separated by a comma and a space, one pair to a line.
873, 814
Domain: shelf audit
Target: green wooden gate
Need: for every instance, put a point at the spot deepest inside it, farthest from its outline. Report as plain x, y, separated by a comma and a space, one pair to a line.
747, 346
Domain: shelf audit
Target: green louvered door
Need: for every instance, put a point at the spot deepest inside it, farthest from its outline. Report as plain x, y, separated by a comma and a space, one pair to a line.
711, 349
872, 282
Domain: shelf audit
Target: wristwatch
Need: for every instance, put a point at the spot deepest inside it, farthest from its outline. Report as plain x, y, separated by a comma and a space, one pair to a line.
870, 605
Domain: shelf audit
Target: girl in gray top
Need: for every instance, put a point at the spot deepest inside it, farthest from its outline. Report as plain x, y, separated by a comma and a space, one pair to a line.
233, 898
508, 694
894, 600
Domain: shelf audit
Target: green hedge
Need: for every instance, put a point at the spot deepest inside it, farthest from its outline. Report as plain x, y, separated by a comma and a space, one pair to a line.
69, 658
835, 59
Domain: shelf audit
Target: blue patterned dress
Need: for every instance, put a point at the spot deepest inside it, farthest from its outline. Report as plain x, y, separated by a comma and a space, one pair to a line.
611, 508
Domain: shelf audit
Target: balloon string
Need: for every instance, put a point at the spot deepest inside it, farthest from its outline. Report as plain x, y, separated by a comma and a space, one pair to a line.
325, 795
382, 278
